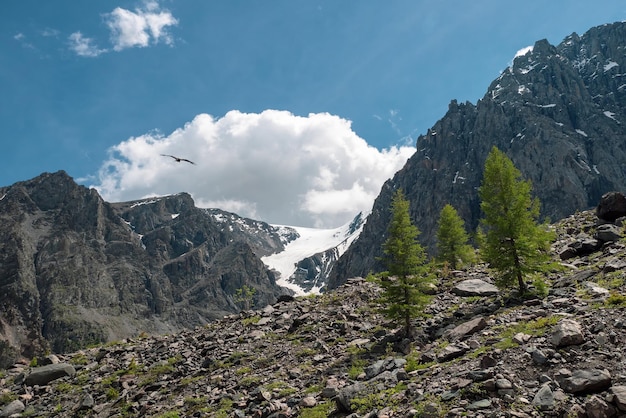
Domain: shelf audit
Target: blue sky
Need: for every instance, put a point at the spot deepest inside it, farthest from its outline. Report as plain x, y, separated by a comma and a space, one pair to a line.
296, 110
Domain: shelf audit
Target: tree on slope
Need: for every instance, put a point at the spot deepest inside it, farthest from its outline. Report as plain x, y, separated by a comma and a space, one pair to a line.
514, 245
406, 277
452, 246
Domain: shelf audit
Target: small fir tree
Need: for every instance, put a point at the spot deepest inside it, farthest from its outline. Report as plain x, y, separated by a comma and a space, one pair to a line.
245, 296
452, 246
406, 277
514, 244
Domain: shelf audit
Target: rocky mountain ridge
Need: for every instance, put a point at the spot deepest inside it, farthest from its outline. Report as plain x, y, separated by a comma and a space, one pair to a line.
478, 353
558, 112
76, 270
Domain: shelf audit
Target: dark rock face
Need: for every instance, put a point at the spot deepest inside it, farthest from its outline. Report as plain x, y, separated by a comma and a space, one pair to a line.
558, 112
76, 270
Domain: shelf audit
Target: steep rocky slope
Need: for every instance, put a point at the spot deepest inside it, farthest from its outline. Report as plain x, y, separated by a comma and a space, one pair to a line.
479, 353
558, 112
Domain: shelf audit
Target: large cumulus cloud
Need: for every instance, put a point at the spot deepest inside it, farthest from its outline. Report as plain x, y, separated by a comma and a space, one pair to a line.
272, 166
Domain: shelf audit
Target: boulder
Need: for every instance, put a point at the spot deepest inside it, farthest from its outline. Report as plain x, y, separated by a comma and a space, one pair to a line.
474, 287
465, 329
619, 396
608, 233
596, 291
612, 206
544, 399
586, 381
43, 375
347, 394
12, 409
567, 332
595, 407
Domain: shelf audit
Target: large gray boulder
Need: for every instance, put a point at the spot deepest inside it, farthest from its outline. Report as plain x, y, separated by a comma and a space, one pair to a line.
474, 287
567, 332
586, 381
46, 374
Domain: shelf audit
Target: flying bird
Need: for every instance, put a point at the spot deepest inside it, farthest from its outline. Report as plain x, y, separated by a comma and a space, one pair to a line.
178, 159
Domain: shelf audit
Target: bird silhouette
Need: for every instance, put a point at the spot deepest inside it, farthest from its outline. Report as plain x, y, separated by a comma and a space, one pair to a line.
178, 159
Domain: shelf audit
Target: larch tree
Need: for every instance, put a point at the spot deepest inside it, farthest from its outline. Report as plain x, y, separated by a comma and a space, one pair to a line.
406, 277
452, 246
514, 243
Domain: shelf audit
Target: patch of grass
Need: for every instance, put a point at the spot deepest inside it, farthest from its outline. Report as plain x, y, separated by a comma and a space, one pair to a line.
7, 397
64, 387
281, 388
250, 381
79, 358
112, 394
194, 403
317, 388
613, 280
251, 320
306, 352
164, 367
378, 400
357, 367
237, 356
428, 403
536, 327
321, 410
615, 300
169, 414
243, 370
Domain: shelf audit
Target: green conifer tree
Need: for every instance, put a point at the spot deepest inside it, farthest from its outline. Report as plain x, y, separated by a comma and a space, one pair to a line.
452, 246
514, 245
406, 276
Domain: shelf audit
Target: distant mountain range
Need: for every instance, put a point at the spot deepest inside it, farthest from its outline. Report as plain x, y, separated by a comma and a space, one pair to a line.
76, 270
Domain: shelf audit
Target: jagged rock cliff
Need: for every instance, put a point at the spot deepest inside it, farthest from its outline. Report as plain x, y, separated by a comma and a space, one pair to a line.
75, 269
558, 112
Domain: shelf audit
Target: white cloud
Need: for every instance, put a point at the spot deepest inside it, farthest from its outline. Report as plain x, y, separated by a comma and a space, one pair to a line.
272, 166
137, 29
84, 47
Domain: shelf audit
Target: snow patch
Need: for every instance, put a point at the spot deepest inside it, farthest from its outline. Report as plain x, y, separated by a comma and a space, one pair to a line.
610, 65
175, 215
581, 132
523, 51
606, 113
144, 202
310, 241
522, 89
595, 168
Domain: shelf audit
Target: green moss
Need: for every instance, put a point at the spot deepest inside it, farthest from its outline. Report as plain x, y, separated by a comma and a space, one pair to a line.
79, 358
615, 300
250, 321
6, 398
250, 381
536, 327
321, 410
112, 394
378, 400
243, 370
